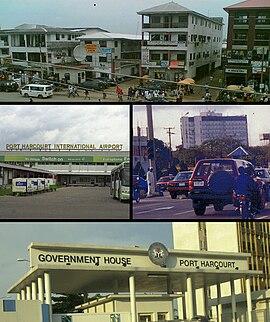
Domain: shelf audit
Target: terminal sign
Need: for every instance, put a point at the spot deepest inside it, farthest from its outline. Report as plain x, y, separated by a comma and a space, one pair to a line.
54, 147
206, 264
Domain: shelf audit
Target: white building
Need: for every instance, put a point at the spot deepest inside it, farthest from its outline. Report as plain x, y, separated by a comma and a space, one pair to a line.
210, 125
29, 45
179, 42
108, 54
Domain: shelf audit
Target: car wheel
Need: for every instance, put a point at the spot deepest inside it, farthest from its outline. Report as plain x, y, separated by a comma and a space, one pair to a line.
199, 211
218, 207
26, 95
40, 96
173, 195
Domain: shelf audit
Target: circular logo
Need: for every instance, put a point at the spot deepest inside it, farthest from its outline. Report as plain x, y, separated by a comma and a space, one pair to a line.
158, 254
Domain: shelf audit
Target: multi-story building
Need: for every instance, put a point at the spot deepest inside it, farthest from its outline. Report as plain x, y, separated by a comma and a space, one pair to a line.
110, 54
248, 43
239, 237
140, 155
178, 42
38, 48
210, 125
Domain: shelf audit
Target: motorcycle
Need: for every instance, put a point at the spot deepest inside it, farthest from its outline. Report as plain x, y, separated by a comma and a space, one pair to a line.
245, 208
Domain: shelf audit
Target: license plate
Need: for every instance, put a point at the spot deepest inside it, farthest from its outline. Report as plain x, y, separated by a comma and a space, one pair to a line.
181, 184
198, 183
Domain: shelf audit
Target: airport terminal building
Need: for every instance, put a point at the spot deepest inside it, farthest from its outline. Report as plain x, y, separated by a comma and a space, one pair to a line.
140, 283
71, 164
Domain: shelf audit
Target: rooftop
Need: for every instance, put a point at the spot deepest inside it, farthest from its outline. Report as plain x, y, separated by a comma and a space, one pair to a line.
250, 4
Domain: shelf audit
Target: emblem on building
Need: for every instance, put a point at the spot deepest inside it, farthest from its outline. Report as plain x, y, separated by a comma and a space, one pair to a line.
158, 254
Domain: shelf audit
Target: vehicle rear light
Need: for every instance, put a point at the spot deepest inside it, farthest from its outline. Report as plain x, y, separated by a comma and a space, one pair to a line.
242, 197
190, 185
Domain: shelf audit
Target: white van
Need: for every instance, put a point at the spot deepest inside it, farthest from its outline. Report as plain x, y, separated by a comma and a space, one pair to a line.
37, 90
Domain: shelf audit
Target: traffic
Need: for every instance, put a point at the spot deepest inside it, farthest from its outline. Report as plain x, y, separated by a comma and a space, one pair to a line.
216, 189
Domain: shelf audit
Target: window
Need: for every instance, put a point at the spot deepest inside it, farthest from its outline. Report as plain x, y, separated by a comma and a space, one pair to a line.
103, 59
57, 36
69, 37
103, 43
190, 56
156, 19
181, 57
9, 306
62, 36
165, 56
116, 44
155, 56
182, 37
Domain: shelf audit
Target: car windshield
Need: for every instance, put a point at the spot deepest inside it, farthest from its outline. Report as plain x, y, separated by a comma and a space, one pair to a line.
164, 179
208, 167
183, 176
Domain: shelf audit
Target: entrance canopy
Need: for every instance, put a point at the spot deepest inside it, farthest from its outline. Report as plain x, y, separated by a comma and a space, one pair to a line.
96, 269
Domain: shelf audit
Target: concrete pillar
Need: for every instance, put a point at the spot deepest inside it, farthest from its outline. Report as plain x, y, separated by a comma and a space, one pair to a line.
190, 298
169, 285
205, 293
28, 293
23, 295
47, 284
219, 306
34, 290
18, 296
233, 301
40, 289
115, 286
132, 298
249, 301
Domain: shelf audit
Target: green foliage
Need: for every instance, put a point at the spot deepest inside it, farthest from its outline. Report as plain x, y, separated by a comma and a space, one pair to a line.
66, 303
5, 192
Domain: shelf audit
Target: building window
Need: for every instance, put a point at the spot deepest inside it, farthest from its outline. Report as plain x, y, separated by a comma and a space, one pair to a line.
69, 37
190, 56
116, 44
9, 306
62, 36
57, 36
155, 19
165, 56
182, 37
103, 43
103, 59
155, 56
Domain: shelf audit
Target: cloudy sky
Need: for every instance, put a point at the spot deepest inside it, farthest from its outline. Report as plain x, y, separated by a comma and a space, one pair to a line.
64, 124
169, 116
113, 15
16, 237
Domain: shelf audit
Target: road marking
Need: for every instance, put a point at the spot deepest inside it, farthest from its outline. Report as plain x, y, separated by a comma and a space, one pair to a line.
153, 210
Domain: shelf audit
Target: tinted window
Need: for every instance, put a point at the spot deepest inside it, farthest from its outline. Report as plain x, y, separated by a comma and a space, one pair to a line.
208, 167
260, 173
183, 176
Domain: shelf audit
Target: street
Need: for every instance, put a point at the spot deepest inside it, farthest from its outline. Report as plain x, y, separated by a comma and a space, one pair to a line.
65, 203
181, 209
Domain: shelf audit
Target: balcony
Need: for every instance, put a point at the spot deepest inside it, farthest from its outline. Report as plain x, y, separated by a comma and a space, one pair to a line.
166, 43
241, 21
263, 21
165, 25
62, 44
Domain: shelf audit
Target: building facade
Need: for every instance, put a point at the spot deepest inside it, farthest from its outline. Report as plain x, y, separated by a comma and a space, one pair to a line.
210, 125
178, 42
68, 167
110, 54
248, 44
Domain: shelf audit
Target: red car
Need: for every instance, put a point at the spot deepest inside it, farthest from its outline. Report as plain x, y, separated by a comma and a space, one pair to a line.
163, 182
179, 185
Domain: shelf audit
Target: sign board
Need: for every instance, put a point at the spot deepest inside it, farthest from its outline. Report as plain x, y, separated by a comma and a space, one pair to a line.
62, 147
91, 48
237, 61
235, 71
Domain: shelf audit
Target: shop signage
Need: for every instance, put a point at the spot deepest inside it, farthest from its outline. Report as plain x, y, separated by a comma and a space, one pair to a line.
235, 71
237, 61
63, 147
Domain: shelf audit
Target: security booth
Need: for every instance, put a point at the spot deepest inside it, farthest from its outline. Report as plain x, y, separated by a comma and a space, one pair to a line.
131, 272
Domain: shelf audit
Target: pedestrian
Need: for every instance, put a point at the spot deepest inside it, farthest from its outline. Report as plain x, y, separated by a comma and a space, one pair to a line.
150, 182
120, 96
86, 94
75, 91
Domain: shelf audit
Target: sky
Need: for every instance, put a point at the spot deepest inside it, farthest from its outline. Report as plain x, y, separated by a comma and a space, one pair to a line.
16, 237
169, 116
114, 15
51, 124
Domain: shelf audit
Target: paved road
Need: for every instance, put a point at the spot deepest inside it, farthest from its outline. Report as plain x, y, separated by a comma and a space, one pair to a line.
181, 209
65, 203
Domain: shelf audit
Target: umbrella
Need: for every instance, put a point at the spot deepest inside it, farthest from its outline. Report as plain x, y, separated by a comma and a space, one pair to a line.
185, 82
233, 87
248, 89
146, 76
190, 80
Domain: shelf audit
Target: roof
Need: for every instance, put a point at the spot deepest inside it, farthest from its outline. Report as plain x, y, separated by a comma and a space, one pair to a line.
97, 35
26, 27
238, 152
171, 7
250, 4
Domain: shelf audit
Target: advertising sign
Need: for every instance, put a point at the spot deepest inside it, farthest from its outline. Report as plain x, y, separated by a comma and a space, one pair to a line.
91, 48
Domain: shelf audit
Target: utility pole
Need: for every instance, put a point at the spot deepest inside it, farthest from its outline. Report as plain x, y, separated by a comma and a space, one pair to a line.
150, 136
170, 142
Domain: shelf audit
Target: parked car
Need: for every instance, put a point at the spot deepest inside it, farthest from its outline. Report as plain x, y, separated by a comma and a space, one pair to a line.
212, 182
37, 90
180, 184
264, 175
94, 84
163, 182
108, 81
8, 86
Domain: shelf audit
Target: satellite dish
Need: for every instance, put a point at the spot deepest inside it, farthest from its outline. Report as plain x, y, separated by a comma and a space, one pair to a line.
79, 53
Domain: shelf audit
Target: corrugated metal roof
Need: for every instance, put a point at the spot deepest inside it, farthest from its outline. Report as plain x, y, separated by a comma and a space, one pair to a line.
250, 4
171, 7
108, 36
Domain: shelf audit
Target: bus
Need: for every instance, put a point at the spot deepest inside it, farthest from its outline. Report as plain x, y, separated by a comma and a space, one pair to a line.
120, 181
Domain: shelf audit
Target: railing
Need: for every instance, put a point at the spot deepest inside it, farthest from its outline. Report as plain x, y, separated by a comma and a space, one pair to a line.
263, 21
166, 25
241, 21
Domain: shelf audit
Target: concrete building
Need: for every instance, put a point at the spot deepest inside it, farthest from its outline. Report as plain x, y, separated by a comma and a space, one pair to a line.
178, 42
110, 54
248, 43
71, 167
210, 125
140, 152
161, 273
244, 237
37, 46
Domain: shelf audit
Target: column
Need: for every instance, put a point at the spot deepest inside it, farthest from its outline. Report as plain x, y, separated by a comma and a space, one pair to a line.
47, 283
205, 293
34, 290
28, 293
18, 296
219, 305
40, 289
249, 301
23, 295
233, 301
190, 298
132, 298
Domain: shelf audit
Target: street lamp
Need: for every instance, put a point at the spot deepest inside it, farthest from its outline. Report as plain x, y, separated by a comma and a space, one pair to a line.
23, 260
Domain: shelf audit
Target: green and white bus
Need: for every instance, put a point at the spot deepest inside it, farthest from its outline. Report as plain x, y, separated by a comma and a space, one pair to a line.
120, 181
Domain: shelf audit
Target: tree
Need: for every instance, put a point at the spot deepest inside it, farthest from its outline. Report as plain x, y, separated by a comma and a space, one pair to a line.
65, 303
